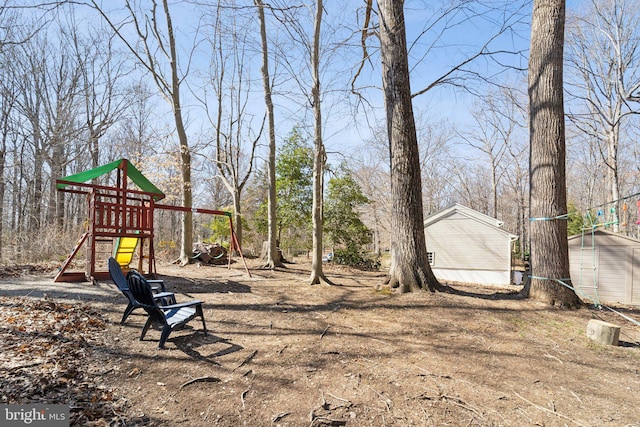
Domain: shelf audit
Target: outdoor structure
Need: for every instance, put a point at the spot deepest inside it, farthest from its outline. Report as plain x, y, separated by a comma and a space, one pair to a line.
605, 266
120, 221
467, 246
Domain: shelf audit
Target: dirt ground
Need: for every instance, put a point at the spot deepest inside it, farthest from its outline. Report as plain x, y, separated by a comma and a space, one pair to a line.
282, 353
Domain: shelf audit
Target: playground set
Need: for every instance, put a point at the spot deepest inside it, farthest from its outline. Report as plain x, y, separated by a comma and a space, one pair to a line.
120, 222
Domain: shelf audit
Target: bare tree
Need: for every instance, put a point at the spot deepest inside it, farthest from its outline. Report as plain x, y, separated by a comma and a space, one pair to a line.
134, 135
373, 178
604, 58
105, 99
320, 156
30, 105
155, 35
273, 256
310, 48
7, 103
410, 269
434, 138
548, 198
492, 134
46, 79
229, 78
497, 46
470, 184
437, 175
61, 106
511, 104
460, 72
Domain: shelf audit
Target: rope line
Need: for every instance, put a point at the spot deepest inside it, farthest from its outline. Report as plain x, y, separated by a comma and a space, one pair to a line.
577, 291
623, 315
615, 201
596, 304
563, 216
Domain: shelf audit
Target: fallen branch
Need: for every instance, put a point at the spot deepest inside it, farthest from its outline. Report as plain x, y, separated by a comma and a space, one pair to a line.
463, 404
247, 360
283, 349
339, 398
553, 357
324, 332
386, 400
242, 395
542, 408
279, 416
200, 380
324, 421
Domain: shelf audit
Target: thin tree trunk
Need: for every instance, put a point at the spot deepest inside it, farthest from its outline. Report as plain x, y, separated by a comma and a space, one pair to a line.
319, 155
548, 199
273, 256
34, 217
186, 244
494, 188
3, 181
237, 210
410, 269
613, 177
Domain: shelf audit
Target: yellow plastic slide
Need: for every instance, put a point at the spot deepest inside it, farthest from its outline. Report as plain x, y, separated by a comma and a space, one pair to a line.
123, 252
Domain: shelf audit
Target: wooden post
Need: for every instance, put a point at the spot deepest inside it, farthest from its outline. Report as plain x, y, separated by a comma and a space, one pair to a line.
603, 332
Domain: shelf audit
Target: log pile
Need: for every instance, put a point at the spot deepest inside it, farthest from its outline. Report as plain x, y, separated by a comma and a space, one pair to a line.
210, 253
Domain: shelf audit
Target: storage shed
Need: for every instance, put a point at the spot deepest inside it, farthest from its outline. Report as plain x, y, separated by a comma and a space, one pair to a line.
465, 245
605, 266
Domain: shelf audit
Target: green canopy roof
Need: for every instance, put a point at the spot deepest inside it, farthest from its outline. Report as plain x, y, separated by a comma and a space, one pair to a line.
132, 172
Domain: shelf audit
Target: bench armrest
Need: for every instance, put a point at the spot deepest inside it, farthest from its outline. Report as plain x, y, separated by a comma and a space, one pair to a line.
156, 282
164, 298
182, 304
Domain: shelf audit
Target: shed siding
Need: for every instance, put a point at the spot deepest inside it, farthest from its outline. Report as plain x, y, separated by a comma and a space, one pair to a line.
467, 250
635, 280
612, 273
606, 267
583, 267
482, 277
466, 244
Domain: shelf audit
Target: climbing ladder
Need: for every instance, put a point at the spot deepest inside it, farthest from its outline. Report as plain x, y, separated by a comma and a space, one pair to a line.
62, 274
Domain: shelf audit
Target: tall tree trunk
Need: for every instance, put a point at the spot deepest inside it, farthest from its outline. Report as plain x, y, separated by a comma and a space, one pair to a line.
613, 177
548, 198
55, 214
410, 269
319, 159
273, 256
17, 191
34, 218
94, 145
186, 244
3, 180
237, 211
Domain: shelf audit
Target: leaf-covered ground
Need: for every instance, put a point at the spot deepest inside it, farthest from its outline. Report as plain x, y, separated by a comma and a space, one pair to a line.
54, 352
281, 352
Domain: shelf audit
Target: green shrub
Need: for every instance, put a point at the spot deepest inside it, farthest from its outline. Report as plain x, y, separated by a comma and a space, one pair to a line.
355, 258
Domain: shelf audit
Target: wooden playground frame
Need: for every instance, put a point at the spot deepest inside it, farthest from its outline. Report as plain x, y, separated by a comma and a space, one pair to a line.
120, 212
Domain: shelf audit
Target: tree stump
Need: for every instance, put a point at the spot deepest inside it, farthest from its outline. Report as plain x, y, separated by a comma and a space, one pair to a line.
603, 332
